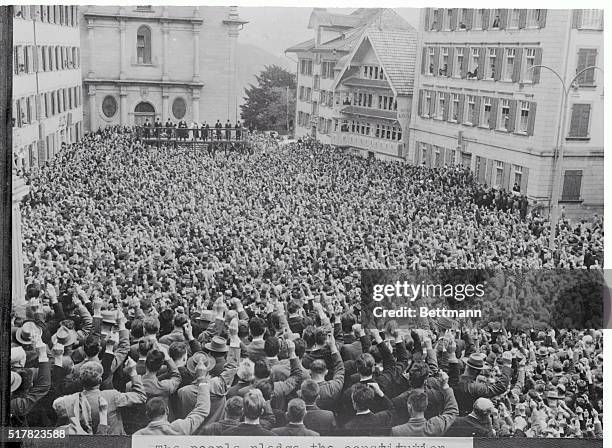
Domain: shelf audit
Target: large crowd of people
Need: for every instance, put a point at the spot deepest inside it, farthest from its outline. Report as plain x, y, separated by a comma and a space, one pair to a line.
171, 291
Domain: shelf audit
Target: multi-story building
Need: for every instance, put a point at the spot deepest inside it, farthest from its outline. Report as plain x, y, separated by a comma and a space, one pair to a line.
144, 62
373, 91
319, 61
47, 96
489, 98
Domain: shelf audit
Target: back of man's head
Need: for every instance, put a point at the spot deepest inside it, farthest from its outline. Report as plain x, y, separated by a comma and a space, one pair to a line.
417, 400
320, 336
365, 364
180, 319
156, 407
92, 345
347, 320
91, 374
234, 408
272, 346
418, 373
318, 367
483, 408
155, 360
253, 403
151, 325
262, 369
310, 391
257, 326
362, 396
296, 410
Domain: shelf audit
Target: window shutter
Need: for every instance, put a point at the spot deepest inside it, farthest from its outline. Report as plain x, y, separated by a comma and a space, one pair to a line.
453, 18
499, 63
464, 63
427, 15
482, 61
469, 19
421, 103
503, 19
475, 118
518, 62
451, 61
440, 19
579, 124
506, 177
148, 48
486, 15
436, 61
424, 61
532, 116
522, 18
537, 61
37, 114
489, 173
482, 171
512, 116
461, 110
577, 18
447, 100
572, 181
524, 180
493, 117
542, 23
581, 65
432, 104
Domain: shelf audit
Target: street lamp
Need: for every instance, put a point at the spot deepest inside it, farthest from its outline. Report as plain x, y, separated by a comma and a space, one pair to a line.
553, 204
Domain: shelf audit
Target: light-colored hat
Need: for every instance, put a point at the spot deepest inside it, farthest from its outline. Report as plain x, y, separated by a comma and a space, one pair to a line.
18, 357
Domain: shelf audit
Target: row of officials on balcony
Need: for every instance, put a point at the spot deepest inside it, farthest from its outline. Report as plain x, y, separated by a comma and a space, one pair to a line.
196, 131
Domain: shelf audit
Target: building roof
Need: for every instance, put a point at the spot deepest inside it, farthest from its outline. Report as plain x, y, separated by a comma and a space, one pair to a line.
307, 45
396, 50
394, 42
321, 17
369, 112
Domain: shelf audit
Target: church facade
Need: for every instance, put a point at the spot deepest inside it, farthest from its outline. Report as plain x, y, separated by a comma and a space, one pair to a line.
148, 62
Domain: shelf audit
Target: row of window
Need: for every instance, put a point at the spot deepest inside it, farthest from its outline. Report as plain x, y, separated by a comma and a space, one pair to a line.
587, 19
382, 131
366, 99
373, 72
55, 14
497, 113
510, 64
43, 58
494, 113
303, 119
306, 67
48, 104
327, 98
327, 69
305, 93
325, 125
433, 155
483, 19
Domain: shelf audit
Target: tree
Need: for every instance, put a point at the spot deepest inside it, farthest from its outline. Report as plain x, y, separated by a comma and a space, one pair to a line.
271, 104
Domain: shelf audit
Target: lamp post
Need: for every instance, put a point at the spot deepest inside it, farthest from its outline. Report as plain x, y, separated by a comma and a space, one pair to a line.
553, 203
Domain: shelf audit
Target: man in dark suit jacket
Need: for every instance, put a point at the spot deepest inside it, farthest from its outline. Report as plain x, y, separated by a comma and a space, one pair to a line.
316, 419
468, 390
365, 422
296, 410
476, 424
253, 403
234, 409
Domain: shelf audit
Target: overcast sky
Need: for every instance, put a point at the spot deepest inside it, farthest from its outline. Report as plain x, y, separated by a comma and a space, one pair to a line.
274, 29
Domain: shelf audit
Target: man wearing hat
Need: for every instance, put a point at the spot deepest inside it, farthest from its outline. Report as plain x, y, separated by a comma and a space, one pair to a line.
468, 390
26, 336
23, 396
219, 385
217, 348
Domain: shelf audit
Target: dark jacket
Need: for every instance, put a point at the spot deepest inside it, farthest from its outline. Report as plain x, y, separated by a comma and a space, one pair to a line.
294, 429
320, 420
244, 429
468, 390
469, 426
